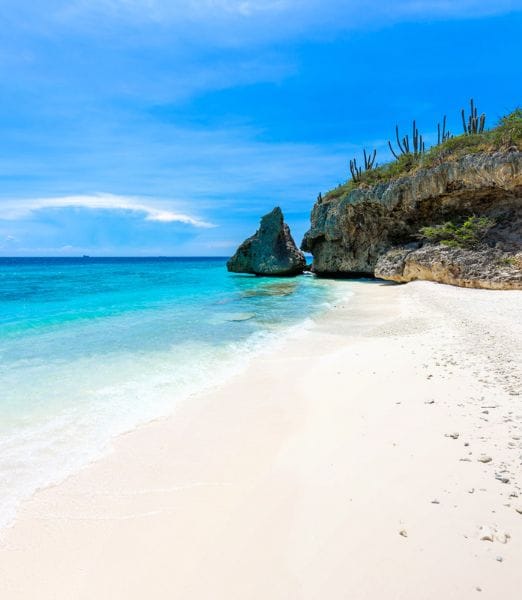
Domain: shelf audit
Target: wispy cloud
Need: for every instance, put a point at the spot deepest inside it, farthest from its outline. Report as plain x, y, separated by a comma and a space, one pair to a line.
237, 22
176, 10
342, 14
13, 210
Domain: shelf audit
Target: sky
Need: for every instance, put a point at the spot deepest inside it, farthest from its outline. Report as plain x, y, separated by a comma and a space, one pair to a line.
169, 127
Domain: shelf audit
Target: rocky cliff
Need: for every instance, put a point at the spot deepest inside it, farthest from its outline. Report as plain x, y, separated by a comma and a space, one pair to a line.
350, 233
270, 251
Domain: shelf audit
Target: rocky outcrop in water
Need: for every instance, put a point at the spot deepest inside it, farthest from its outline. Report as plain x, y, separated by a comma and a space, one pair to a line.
349, 233
270, 251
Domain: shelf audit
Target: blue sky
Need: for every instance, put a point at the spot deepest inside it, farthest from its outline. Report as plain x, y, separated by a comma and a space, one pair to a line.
146, 127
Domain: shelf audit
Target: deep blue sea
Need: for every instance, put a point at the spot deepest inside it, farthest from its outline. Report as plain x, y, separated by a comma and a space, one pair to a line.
90, 348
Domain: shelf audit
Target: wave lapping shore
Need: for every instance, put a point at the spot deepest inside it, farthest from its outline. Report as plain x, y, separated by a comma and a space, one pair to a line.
90, 348
376, 456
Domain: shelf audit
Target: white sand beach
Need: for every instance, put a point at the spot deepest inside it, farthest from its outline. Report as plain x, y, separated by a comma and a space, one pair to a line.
346, 465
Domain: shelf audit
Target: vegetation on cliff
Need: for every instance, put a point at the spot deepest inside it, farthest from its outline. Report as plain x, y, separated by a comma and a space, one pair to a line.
450, 213
458, 223
468, 234
505, 136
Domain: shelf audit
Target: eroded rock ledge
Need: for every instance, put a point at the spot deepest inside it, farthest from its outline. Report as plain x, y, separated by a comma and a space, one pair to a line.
486, 268
349, 234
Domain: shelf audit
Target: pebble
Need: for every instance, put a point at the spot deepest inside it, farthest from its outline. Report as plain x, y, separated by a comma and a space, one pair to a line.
499, 558
454, 436
502, 479
403, 532
484, 459
503, 538
519, 510
489, 534
435, 501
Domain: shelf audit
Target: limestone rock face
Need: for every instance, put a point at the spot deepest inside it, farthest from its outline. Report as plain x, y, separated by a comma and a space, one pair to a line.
270, 251
349, 233
486, 268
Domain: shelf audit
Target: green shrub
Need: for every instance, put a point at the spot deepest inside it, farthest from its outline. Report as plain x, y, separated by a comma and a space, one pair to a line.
508, 132
468, 234
512, 261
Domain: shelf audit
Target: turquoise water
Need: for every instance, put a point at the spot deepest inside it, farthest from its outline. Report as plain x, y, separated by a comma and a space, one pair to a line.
90, 348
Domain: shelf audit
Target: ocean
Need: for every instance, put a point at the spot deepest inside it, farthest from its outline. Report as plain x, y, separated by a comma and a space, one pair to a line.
91, 347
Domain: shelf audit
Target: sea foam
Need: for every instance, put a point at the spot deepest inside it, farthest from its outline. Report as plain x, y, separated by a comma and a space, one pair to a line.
89, 350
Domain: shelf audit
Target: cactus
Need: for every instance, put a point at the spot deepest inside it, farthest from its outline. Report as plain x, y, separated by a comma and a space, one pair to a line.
419, 146
474, 124
369, 161
355, 170
369, 164
442, 134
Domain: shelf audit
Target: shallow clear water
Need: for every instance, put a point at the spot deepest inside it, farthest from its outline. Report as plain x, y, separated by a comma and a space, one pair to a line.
92, 347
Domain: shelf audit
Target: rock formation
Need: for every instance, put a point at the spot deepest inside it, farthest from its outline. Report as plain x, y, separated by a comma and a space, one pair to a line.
350, 233
270, 251
487, 268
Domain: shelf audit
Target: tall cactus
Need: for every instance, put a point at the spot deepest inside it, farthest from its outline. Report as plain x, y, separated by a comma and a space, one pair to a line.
369, 160
442, 134
419, 146
369, 164
474, 124
355, 170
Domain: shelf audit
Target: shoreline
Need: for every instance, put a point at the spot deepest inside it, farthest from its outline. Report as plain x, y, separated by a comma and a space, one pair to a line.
226, 362
323, 471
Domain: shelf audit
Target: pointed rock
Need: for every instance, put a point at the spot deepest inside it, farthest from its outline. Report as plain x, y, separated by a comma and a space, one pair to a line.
270, 251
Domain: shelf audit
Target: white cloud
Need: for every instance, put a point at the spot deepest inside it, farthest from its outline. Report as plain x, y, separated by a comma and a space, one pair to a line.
21, 208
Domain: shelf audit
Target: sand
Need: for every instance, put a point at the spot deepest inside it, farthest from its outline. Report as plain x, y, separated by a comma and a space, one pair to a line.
344, 465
